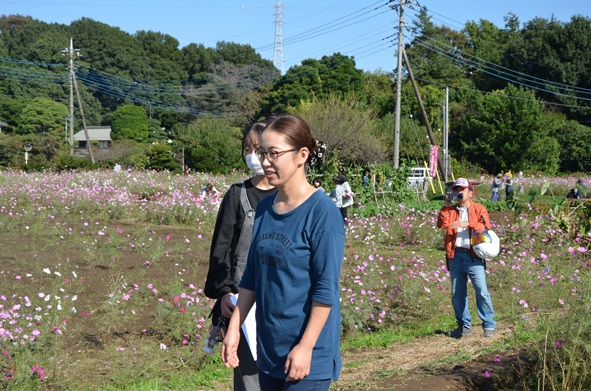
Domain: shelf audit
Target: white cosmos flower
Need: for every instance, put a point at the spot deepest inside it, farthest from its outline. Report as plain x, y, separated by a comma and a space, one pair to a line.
46, 271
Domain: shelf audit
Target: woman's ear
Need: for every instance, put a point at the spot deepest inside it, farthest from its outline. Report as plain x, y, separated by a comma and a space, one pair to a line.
304, 154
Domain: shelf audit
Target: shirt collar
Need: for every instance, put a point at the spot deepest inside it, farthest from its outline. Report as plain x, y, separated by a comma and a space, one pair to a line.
464, 208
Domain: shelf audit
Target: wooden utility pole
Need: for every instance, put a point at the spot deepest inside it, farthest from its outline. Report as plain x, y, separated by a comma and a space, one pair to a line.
400, 9
71, 52
423, 111
83, 120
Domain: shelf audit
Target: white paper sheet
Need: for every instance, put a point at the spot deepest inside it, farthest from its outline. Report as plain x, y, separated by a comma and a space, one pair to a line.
249, 327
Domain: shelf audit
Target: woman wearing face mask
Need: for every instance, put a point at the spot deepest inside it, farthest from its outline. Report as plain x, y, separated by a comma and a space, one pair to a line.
230, 245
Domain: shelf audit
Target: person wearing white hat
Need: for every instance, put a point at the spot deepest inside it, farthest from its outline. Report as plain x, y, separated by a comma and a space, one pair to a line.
461, 217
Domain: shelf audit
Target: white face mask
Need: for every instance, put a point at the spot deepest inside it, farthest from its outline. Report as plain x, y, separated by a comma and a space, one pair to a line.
253, 163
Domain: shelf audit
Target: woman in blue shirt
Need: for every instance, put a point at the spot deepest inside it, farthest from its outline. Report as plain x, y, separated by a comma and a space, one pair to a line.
292, 271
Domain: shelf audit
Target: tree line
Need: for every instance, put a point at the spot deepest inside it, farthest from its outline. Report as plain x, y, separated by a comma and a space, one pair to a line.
520, 96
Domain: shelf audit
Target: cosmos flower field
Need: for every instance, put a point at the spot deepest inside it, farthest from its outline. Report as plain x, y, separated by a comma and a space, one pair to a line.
100, 270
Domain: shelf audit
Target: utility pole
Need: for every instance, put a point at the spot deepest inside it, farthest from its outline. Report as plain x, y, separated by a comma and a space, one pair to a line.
71, 52
422, 108
399, 8
278, 59
83, 120
446, 136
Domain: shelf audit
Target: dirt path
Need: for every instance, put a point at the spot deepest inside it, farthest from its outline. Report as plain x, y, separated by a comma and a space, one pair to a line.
430, 363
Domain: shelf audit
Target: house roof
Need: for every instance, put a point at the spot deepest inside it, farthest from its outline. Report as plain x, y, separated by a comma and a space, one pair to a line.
3, 124
95, 133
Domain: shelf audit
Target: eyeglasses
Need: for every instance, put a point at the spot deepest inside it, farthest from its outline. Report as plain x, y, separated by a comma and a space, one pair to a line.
272, 156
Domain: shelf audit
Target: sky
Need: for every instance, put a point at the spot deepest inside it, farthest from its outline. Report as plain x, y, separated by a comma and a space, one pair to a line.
365, 29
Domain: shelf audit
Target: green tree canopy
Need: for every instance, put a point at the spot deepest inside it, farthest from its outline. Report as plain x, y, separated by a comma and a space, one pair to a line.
239, 54
42, 115
334, 74
130, 122
211, 145
575, 147
504, 130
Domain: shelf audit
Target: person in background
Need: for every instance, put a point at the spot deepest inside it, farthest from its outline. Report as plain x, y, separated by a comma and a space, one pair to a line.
318, 185
460, 220
342, 195
208, 190
293, 270
229, 249
497, 186
365, 179
520, 188
509, 186
579, 191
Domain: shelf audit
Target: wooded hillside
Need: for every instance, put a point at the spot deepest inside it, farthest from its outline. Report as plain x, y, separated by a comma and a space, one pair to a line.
520, 95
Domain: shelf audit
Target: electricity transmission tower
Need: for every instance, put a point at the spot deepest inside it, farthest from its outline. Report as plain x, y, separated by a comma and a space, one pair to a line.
278, 59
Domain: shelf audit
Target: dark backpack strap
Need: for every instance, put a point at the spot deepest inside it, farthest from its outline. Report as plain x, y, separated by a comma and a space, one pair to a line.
241, 251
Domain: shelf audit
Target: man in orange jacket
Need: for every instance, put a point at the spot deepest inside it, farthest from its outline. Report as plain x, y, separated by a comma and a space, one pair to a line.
461, 219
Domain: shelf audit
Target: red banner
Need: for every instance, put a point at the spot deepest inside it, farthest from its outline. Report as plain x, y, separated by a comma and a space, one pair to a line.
433, 161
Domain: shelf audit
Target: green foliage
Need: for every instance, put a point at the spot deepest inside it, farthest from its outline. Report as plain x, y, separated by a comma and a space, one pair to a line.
44, 148
160, 157
344, 125
239, 54
334, 74
427, 64
379, 93
505, 133
575, 147
211, 145
197, 61
565, 351
556, 51
42, 115
387, 189
65, 162
130, 122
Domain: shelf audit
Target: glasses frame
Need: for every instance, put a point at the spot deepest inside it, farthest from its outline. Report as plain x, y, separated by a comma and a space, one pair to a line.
262, 155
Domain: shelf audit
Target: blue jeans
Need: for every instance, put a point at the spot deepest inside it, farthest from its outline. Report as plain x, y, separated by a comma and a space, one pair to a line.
269, 383
461, 267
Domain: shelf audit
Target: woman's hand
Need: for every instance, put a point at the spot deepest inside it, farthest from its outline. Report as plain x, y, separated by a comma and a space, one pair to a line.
230, 348
226, 306
297, 365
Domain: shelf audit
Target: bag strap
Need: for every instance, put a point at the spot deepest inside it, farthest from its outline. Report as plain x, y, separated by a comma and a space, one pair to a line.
245, 238
484, 222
